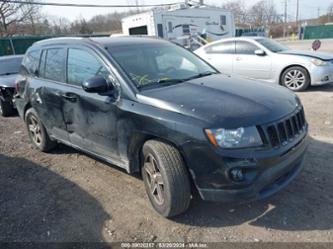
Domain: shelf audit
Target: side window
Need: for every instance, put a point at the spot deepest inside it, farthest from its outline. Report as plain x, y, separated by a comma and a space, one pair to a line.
243, 47
54, 64
223, 20
170, 27
82, 66
31, 61
222, 48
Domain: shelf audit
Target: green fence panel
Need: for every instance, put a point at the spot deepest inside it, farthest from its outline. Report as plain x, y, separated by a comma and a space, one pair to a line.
5, 47
20, 44
318, 32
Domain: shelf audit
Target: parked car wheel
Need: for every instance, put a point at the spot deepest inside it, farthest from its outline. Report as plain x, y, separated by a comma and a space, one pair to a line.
166, 178
37, 132
6, 108
296, 79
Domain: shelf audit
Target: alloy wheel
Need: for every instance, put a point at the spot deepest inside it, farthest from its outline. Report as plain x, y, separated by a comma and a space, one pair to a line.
154, 179
295, 79
35, 130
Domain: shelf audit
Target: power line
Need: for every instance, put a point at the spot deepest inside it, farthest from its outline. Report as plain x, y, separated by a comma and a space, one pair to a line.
88, 5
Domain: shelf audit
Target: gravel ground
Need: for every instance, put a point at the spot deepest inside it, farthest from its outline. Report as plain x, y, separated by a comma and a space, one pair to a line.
68, 196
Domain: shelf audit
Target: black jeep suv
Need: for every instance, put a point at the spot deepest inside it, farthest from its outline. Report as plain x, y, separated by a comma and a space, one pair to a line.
148, 105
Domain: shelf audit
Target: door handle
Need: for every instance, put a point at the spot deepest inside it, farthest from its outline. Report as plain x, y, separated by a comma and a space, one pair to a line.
70, 96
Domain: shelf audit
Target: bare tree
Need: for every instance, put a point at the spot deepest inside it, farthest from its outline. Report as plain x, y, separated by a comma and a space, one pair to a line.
330, 10
14, 14
238, 9
263, 14
80, 26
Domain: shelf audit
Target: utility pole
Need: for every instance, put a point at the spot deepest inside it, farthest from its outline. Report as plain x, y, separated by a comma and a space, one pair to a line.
318, 12
285, 18
137, 5
297, 12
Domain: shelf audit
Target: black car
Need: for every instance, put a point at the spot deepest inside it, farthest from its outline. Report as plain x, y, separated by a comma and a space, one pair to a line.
150, 106
9, 68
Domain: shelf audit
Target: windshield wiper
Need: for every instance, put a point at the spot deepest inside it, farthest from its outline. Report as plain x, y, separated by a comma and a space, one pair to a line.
162, 82
200, 75
166, 82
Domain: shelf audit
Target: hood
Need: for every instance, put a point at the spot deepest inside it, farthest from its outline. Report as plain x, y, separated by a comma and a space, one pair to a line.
8, 80
224, 101
313, 54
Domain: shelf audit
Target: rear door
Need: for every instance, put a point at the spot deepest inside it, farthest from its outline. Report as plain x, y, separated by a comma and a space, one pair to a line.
248, 64
221, 55
91, 118
49, 85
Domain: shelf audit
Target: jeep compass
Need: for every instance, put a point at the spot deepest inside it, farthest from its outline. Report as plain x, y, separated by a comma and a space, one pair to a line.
150, 106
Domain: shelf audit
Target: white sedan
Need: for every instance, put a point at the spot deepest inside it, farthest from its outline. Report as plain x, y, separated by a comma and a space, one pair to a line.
267, 60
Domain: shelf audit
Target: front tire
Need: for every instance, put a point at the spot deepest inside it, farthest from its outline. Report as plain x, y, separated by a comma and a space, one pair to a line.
37, 132
6, 109
296, 79
166, 178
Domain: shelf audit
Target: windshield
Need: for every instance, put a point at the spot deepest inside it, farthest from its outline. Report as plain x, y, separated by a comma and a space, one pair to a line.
10, 65
154, 65
272, 45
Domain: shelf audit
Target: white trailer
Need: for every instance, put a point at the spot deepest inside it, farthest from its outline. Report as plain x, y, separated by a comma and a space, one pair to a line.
181, 22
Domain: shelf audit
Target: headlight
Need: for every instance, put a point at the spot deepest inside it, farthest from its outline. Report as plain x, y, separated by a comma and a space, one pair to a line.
236, 138
319, 62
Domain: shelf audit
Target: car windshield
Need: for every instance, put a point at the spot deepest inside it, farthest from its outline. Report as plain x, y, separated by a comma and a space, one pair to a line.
154, 65
272, 45
10, 65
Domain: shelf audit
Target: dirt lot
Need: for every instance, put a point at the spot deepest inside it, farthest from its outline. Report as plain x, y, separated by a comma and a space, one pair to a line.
68, 196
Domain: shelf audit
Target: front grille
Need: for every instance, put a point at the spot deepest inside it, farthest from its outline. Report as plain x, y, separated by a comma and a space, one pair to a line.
286, 130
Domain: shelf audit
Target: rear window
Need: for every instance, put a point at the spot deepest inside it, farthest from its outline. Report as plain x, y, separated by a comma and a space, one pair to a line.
10, 66
222, 48
53, 64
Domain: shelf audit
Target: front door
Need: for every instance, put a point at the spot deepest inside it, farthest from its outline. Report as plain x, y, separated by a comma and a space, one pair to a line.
248, 64
91, 118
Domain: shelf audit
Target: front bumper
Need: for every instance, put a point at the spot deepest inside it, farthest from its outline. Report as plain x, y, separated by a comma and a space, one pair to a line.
267, 171
321, 75
267, 183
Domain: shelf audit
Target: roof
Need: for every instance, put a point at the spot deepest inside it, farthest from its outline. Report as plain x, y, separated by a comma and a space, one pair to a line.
105, 41
128, 40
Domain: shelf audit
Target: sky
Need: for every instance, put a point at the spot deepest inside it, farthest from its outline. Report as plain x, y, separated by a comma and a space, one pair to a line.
308, 8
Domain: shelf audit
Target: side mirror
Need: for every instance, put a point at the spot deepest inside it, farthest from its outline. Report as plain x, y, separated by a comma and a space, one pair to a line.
96, 84
260, 52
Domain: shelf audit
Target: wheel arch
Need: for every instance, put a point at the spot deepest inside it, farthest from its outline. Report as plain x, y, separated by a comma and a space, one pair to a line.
290, 66
135, 149
26, 108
